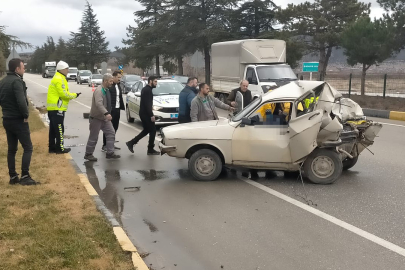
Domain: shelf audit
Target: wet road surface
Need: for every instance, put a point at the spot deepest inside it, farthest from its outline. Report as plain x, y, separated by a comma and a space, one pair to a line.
179, 223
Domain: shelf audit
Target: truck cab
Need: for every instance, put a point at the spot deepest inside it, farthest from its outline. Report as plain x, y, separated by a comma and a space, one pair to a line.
262, 62
265, 78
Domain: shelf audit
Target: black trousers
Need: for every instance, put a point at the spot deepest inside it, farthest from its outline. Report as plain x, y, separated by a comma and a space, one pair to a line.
148, 128
56, 130
115, 114
18, 131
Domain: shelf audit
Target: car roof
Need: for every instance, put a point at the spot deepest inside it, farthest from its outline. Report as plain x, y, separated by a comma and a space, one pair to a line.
292, 90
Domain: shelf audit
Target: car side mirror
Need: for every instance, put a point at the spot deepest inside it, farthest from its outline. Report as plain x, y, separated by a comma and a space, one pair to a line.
246, 122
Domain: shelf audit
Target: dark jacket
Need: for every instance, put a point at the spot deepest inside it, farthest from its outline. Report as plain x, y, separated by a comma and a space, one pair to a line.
145, 109
185, 98
13, 97
247, 96
113, 93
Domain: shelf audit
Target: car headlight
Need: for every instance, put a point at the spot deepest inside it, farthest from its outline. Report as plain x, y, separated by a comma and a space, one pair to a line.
157, 108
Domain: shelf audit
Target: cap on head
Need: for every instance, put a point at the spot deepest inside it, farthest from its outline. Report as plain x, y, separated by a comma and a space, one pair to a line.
62, 65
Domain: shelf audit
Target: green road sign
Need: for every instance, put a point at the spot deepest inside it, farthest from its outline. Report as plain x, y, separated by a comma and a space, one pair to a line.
310, 67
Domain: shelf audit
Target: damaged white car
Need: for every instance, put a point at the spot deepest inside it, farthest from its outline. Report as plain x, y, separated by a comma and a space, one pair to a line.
304, 125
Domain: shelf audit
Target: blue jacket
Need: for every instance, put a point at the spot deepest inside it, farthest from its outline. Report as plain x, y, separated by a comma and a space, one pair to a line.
185, 98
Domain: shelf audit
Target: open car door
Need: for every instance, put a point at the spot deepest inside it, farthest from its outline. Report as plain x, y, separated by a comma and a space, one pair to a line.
304, 128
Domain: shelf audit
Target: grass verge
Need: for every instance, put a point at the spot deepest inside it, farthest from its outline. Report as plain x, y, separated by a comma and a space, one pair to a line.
54, 225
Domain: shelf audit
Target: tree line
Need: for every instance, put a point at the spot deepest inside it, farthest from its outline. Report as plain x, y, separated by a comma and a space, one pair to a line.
171, 30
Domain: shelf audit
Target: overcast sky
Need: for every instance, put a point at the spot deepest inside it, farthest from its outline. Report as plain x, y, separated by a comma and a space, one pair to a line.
33, 20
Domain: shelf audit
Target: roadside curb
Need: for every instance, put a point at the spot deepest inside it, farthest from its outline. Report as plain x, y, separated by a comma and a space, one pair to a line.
392, 115
119, 232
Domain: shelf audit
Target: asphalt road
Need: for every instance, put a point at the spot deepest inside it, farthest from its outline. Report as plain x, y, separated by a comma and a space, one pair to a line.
233, 223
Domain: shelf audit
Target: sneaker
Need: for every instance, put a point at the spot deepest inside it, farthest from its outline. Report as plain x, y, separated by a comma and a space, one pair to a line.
112, 156
130, 147
64, 151
90, 157
26, 180
14, 180
153, 152
117, 148
104, 148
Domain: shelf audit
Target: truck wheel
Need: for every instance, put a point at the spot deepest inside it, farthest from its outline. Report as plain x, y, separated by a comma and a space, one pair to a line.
323, 166
348, 163
223, 97
205, 165
129, 118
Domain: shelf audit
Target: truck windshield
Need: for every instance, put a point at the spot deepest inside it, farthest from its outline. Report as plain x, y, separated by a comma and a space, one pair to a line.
51, 68
247, 109
275, 73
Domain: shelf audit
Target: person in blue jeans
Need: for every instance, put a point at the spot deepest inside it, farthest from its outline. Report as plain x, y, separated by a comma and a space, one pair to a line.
185, 98
14, 104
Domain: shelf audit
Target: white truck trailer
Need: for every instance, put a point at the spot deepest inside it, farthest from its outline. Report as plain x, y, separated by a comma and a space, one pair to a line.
262, 62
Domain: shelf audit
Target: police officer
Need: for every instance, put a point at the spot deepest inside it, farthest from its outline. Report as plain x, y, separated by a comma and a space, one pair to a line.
57, 105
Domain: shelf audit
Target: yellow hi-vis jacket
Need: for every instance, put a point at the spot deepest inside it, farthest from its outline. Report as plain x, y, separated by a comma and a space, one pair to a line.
271, 106
58, 94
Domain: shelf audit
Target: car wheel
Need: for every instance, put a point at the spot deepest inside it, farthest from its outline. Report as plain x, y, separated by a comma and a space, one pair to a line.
89, 85
129, 118
81, 82
205, 165
348, 163
323, 166
77, 81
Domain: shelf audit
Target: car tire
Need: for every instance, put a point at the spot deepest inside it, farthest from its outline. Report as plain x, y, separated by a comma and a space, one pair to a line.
129, 118
348, 163
223, 98
323, 166
205, 165
77, 81
81, 82
89, 85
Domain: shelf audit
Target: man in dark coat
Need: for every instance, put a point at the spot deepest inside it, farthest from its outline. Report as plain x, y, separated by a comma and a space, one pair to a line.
14, 104
243, 89
185, 98
147, 118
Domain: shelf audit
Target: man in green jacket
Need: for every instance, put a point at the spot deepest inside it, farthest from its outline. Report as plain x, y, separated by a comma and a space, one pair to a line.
57, 104
14, 104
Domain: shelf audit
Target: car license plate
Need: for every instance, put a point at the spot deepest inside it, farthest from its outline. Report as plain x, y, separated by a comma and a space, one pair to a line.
174, 115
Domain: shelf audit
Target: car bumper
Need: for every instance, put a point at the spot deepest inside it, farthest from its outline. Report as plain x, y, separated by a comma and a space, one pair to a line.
164, 149
165, 118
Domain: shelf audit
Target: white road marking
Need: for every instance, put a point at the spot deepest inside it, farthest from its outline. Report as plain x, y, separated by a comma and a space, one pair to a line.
88, 107
371, 237
392, 125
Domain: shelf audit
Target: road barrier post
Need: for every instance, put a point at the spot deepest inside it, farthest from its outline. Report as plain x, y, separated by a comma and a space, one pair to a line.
350, 85
385, 85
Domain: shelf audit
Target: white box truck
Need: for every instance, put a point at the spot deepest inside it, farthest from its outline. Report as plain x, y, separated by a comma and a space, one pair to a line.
48, 69
262, 62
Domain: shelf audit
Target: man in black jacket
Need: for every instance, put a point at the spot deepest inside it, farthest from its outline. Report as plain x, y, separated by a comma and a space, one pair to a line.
117, 104
14, 103
243, 89
147, 118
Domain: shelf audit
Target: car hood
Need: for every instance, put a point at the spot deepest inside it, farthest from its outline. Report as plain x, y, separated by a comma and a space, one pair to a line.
166, 101
205, 130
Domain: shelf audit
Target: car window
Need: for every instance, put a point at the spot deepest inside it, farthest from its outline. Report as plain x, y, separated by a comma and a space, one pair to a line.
247, 110
134, 87
305, 104
251, 76
140, 86
272, 114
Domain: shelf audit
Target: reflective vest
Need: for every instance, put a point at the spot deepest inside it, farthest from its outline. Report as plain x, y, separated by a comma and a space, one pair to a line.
58, 94
271, 107
309, 101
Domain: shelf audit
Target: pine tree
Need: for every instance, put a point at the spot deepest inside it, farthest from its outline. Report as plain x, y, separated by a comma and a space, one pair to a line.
321, 24
90, 42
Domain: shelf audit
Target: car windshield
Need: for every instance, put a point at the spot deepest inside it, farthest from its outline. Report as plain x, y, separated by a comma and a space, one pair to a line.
247, 109
181, 79
275, 73
132, 78
72, 70
85, 73
167, 88
97, 76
